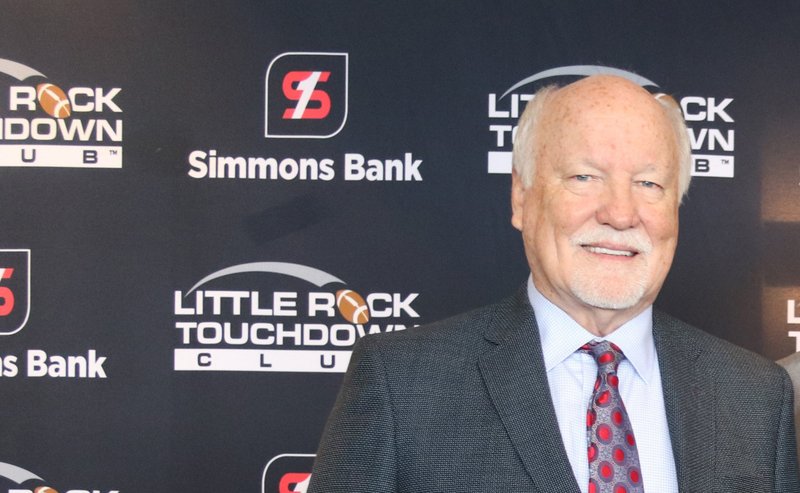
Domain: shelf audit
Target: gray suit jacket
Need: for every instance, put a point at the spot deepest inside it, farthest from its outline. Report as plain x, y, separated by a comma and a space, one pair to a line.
792, 365
463, 405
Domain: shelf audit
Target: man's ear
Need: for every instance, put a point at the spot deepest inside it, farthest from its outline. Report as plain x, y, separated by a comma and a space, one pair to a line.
517, 200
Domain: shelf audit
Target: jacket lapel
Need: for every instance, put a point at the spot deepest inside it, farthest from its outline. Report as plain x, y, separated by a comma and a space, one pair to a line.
689, 402
516, 380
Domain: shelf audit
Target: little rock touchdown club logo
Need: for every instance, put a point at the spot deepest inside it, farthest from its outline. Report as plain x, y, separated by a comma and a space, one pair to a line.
45, 123
279, 317
15, 479
710, 125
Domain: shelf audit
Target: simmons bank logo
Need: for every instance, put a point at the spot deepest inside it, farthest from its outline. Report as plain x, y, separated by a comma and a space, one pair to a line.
15, 479
306, 95
15, 290
287, 473
15, 294
279, 317
709, 122
44, 123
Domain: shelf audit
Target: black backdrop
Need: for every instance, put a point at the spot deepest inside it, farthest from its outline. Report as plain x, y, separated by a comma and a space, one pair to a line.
124, 219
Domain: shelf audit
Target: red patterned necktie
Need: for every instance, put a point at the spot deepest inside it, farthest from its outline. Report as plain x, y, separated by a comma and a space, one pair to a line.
613, 458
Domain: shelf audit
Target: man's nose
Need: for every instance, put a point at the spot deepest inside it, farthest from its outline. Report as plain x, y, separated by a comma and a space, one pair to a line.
618, 208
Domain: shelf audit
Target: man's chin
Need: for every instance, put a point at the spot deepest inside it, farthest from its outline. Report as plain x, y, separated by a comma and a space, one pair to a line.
604, 299
611, 305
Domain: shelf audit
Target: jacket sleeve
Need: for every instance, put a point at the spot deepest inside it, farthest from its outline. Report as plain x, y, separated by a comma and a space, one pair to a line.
357, 450
786, 467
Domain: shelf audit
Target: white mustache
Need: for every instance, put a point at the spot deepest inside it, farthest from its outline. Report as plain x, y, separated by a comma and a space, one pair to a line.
633, 240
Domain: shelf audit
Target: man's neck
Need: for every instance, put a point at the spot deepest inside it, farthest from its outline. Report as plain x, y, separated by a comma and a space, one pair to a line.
598, 321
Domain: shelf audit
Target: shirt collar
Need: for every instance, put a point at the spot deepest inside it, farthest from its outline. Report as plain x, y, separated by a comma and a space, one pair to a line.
561, 336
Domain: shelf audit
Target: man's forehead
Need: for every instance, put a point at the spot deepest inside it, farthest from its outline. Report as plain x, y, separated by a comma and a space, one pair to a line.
601, 97
581, 116
603, 92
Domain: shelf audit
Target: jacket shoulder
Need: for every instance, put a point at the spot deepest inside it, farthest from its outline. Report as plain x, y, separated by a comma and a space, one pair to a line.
715, 355
461, 335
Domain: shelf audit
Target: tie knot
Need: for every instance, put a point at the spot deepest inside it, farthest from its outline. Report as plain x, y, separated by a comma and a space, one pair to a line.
607, 354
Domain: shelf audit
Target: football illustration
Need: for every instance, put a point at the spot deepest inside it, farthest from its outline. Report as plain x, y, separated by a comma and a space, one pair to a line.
53, 100
352, 306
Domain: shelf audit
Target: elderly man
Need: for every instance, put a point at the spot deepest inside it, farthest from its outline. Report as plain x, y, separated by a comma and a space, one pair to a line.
575, 383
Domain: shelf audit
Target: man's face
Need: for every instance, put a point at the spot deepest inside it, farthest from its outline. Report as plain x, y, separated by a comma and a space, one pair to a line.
600, 221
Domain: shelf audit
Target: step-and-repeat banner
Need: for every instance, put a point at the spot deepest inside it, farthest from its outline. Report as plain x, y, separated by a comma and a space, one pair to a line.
204, 205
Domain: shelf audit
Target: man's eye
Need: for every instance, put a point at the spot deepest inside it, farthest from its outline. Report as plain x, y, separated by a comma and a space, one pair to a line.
582, 177
649, 184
